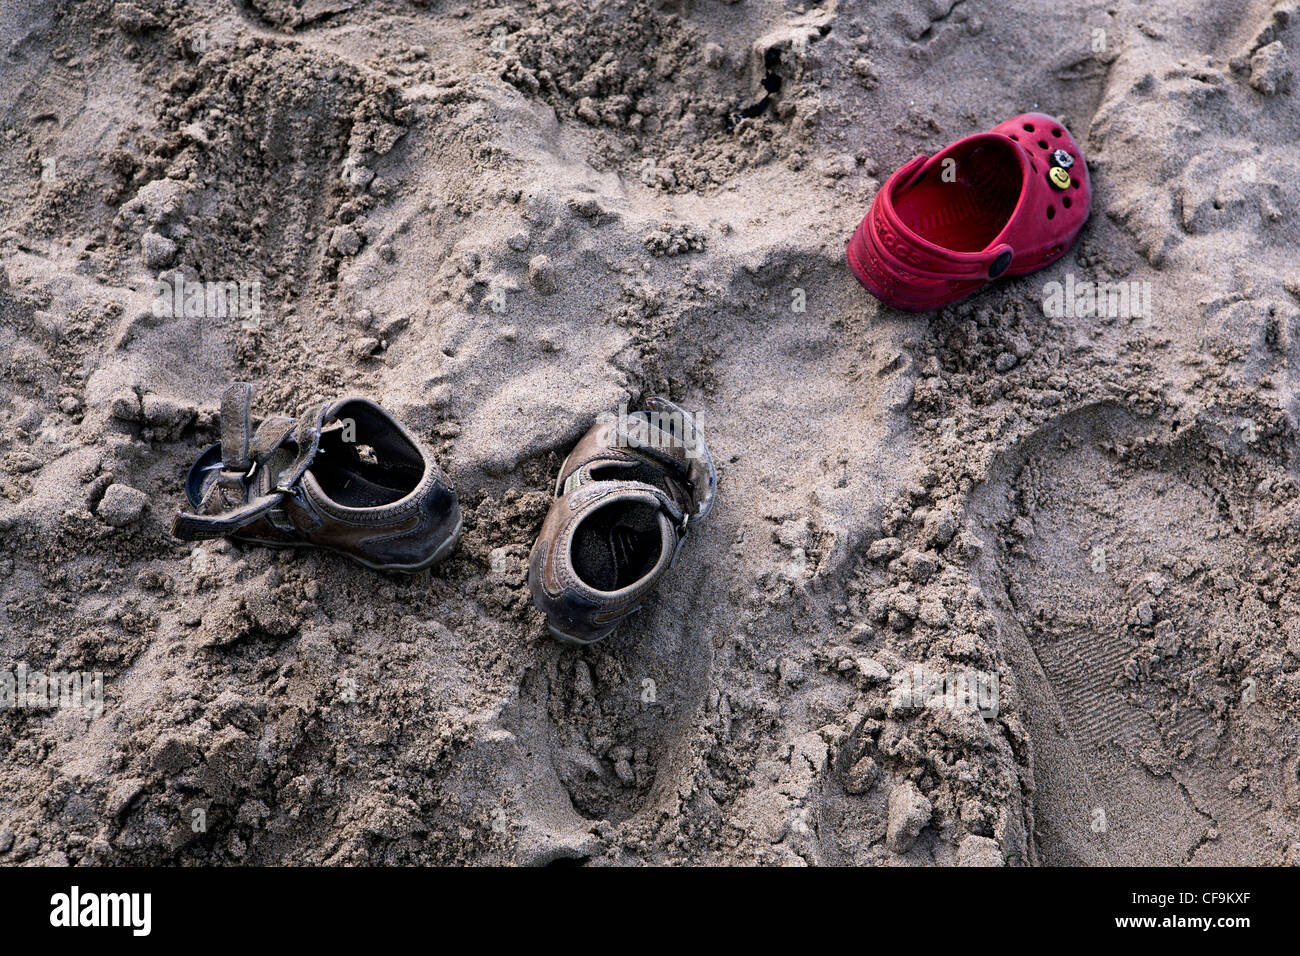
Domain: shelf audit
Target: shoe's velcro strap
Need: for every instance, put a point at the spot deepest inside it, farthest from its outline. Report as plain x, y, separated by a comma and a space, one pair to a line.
236, 426
584, 495
270, 435
192, 527
309, 429
233, 500
655, 434
669, 437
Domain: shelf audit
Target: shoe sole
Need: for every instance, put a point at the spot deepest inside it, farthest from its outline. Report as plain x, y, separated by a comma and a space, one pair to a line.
444, 549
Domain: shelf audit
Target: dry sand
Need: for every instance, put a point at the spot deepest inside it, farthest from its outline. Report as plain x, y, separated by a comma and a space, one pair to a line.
503, 219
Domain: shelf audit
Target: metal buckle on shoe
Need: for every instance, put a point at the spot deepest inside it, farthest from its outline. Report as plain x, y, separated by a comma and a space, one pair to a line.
277, 516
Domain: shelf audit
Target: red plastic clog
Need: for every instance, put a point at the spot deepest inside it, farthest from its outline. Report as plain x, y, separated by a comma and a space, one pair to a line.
1005, 202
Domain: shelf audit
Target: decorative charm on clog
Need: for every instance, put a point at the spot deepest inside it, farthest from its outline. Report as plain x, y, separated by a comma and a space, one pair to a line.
1059, 177
1061, 158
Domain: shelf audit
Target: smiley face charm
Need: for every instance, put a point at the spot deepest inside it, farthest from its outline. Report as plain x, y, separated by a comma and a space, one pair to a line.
1058, 177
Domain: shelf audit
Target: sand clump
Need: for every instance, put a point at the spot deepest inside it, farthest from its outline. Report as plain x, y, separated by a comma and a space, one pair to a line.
983, 587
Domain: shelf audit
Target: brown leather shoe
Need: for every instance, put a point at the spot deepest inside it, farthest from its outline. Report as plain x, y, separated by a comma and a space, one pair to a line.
626, 497
346, 477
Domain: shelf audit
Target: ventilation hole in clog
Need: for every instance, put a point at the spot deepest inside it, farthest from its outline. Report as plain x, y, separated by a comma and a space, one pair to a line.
1075, 184
1029, 128
1042, 144
1065, 201
1015, 137
1051, 212
1032, 167
1056, 132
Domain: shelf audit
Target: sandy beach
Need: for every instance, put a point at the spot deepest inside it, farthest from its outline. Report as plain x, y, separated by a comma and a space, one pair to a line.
1010, 583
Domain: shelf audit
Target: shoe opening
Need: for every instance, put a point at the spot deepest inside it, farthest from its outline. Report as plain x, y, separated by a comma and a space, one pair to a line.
364, 462
617, 545
966, 211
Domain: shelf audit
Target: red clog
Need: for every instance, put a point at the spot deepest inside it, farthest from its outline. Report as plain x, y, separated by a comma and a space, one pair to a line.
1005, 202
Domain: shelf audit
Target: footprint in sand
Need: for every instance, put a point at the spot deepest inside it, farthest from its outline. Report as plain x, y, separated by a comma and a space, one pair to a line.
1147, 617
607, 716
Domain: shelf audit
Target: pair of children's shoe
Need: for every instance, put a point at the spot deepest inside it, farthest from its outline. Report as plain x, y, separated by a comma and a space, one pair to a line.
348, 477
